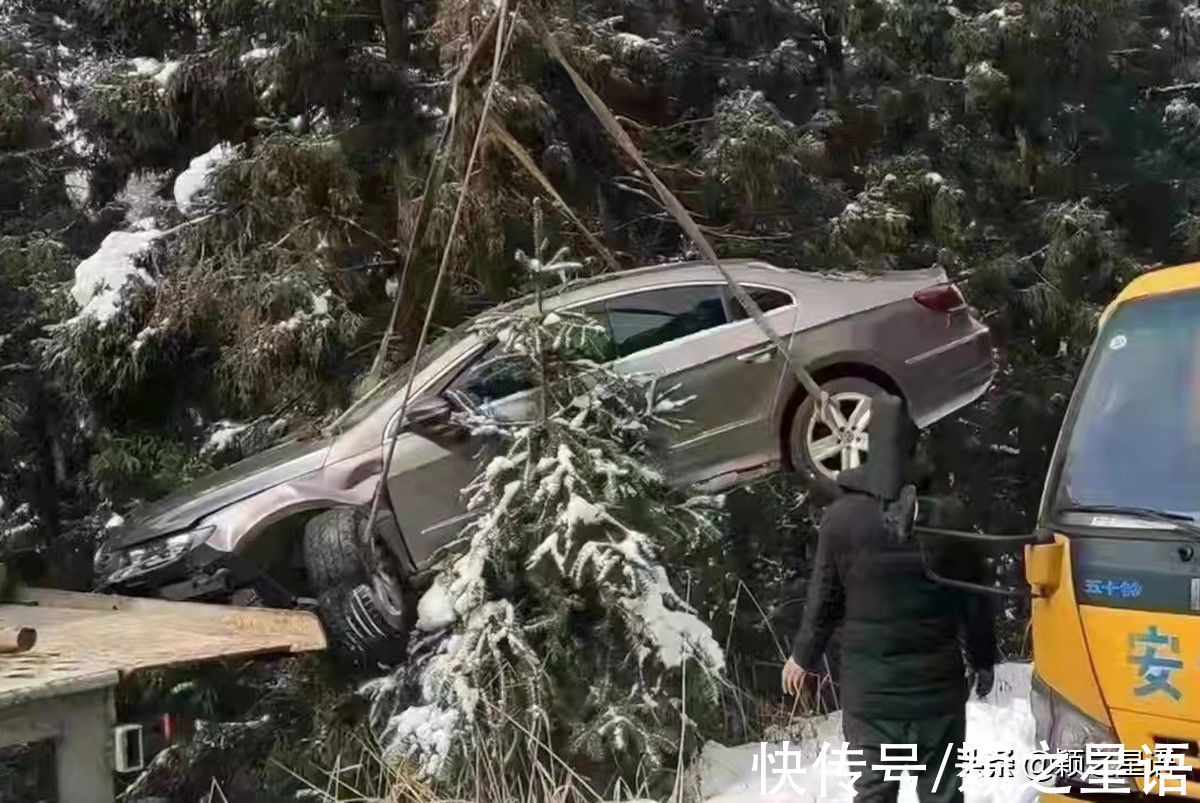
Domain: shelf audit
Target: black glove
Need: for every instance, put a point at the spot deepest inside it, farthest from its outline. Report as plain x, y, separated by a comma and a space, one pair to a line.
984, 679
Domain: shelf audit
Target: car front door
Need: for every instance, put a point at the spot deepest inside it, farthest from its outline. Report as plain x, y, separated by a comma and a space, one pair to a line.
433, 464
705, 353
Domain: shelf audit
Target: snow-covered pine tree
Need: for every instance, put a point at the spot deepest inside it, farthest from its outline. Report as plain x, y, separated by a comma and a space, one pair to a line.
565, 629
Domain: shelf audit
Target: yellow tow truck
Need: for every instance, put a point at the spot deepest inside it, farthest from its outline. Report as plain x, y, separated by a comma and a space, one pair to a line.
1112, 567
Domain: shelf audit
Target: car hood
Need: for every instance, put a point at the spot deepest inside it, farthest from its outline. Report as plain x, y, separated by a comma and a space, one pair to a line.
187, 505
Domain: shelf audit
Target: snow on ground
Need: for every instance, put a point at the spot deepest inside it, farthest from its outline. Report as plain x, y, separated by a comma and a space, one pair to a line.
100, 279
195, 178
1000, 721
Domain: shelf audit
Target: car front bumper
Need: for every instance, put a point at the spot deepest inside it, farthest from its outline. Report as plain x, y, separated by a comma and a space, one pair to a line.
198, 573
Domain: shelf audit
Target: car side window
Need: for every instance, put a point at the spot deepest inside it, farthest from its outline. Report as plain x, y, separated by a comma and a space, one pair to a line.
497, 375
639, 321
766, 298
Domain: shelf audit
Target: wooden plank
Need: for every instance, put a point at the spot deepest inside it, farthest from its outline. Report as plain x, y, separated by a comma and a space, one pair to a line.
85, 636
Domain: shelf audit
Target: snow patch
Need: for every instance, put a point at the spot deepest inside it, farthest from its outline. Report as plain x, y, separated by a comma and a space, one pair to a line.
258, 54
630, 44
223, 437
163, 76
431, 729
195, 178
1001, 721
144, 336
66, 124
676, 635
101, 278
78, 186
143, 65
320, 302
435, 610
160, 71
320, 309
580, 511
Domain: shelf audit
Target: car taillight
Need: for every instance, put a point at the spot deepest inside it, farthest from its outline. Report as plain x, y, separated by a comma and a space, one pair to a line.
940, 298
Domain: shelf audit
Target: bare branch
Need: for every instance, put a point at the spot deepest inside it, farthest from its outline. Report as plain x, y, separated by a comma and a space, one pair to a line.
525, 160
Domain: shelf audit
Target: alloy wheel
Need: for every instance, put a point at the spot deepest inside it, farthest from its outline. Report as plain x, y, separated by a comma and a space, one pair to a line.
844, 445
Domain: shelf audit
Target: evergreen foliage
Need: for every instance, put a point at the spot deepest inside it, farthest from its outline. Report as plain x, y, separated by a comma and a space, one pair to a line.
1041, 153
566, 630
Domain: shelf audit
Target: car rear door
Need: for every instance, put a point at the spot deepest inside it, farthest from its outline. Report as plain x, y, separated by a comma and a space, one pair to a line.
705, 352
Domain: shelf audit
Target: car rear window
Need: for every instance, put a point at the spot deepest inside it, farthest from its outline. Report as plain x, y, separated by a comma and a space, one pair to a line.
766, 298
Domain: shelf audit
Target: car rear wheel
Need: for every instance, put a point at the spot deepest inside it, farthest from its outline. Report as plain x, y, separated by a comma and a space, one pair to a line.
341, 569
821, 450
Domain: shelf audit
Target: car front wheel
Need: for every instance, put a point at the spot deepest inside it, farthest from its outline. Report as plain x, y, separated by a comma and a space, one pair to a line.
823, 449
341, 569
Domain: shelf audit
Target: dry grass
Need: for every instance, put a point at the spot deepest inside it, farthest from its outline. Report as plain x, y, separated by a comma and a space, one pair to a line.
367, 777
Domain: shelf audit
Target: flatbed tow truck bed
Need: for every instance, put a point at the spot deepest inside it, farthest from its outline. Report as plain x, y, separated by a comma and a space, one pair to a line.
62, 688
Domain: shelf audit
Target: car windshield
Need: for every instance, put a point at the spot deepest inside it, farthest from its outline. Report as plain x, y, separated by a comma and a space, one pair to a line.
370, 401
1135, 438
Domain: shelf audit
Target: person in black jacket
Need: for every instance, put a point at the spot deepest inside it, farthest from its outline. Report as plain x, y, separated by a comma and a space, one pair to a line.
903, 677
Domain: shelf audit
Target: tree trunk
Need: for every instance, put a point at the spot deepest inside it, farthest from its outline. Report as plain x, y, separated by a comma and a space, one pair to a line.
395, 29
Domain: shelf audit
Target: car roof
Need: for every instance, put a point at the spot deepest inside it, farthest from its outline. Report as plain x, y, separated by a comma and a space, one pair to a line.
578, 290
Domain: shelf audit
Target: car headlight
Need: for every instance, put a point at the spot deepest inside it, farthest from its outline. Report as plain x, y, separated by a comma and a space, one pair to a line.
1060, 724
150, 554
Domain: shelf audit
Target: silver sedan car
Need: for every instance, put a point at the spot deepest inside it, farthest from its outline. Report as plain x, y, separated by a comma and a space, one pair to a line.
288, 523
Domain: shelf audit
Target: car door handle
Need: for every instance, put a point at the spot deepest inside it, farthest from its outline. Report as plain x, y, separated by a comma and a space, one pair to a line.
758, 356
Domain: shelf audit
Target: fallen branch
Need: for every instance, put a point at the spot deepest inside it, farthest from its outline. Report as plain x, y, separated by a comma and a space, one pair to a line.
685, 221
525, 160
1159, 90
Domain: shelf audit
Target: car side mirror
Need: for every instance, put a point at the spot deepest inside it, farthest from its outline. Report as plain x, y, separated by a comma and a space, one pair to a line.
432, 416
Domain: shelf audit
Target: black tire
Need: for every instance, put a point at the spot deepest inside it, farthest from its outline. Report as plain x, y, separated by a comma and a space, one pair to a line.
802, 461
338, 559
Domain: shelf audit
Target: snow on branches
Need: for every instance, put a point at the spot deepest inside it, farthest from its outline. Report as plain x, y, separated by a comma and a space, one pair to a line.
561, 615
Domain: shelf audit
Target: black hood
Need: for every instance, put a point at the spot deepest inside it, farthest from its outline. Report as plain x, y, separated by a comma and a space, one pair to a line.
891, 439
